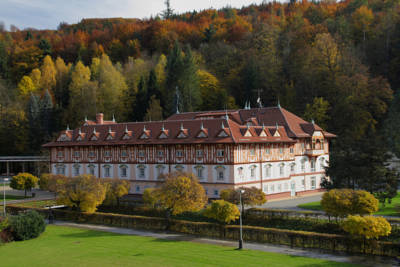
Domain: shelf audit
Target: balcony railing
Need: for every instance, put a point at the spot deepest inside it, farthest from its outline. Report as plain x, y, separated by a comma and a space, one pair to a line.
314, 152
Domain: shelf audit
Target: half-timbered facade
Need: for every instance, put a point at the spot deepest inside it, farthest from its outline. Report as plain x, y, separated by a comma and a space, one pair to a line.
269, 148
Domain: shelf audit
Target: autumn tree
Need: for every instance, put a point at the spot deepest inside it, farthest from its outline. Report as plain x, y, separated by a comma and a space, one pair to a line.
150, 197
26, 87
52, 183
318, 111
115, 189
362, 19
84, 193
48, 74
222, 211
23, 181
154, 111
251, 196
181, 192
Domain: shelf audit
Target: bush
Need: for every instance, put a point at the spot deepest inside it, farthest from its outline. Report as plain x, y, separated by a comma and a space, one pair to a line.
252, 196
5, 231
150, 197
343, 202
367, 227
222, 211
27, 225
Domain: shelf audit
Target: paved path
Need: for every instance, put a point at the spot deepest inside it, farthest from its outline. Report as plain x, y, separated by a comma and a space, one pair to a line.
363, 260
291, 204
39, 195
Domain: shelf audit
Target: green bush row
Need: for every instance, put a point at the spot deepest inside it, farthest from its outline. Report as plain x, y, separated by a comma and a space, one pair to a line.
251, 233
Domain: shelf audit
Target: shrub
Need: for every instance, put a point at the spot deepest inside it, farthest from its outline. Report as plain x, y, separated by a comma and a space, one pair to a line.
222, 211
366, 227
342, 202
27, 225
51, 182
23, 181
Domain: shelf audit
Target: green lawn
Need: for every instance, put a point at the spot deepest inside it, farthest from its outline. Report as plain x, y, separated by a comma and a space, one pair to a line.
65, 246
11, 197
388, 210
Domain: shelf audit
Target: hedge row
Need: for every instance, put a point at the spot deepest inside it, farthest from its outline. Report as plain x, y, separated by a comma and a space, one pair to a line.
250, 233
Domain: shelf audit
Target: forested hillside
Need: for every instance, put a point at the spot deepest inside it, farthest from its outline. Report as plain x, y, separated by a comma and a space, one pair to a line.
336, 63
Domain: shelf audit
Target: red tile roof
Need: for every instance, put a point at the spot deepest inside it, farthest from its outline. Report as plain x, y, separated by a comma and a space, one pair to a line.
228, 126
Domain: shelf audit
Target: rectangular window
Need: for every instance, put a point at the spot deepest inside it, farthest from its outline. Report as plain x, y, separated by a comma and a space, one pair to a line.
252, 152
107, 153
281, 170
303, 183
292, 168
220, 175
272, 188
303, 166
200, 172
60, 154
268, 171
220, 153
216, 192
76, 153
302, 146
107, 172
253, 172
141, 172
313, 183
91, 154
137, 188
141, 153
267, 151
179, 153
199, 153
76, 171
160, 153
279, 187
313, 165
123, 172
265, 189
291, 150
160, 171
91, 170
281, 150
240, 172
124, 153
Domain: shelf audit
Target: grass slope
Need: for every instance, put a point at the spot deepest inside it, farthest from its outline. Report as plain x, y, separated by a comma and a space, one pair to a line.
388, 210
65, 246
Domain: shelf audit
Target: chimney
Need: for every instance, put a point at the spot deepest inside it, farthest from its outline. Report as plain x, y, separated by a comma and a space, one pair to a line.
99, 118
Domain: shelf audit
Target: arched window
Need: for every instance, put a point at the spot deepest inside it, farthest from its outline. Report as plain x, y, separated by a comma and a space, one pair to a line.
312, 165
292, 167
240, 172
60, 169
141, 171
220, 173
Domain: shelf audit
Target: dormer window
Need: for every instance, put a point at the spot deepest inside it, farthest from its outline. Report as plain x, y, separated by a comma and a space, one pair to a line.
124, 153
179, 153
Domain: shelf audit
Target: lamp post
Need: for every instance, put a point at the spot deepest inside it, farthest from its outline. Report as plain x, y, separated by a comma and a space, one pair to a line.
241, 191
4, 195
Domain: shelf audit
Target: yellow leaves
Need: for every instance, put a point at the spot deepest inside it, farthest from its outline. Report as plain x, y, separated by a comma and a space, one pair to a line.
48, 70
26, 87
362, 18
23, 181
369, 227
115, 189
342, 202
222, 211
181, 192
84, 192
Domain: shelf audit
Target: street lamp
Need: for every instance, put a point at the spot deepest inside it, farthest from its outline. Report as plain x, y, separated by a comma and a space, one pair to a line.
4, 195
241, 191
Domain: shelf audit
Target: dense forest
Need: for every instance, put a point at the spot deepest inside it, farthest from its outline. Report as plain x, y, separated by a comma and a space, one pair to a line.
335, 62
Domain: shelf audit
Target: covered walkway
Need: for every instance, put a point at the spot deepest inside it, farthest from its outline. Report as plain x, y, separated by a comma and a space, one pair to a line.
11, 165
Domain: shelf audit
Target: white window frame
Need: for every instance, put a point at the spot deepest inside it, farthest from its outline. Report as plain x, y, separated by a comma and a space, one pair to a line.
313, 182
124, 171
199, 153
220, 152
107, 173
179, 153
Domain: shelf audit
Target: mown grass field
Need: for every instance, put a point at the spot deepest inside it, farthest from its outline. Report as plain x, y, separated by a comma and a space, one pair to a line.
392, 209
65, 246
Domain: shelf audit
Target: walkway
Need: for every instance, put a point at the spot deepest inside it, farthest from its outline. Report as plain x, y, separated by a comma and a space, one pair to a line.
363, 260
291, 204
39, 195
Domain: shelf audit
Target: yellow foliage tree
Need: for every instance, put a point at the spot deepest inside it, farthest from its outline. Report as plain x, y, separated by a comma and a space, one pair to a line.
23, 181
52, 183
181, 192
26, 87
36, 77
49, 72
342, 202
252, 196
84, 192
115, 189
150, 197
368, 227
362, 19
222, 211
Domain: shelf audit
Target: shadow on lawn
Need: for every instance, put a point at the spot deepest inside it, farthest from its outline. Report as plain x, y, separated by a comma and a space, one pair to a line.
89, 233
